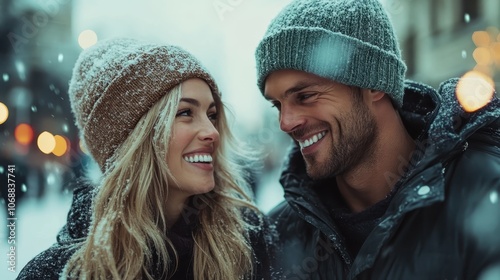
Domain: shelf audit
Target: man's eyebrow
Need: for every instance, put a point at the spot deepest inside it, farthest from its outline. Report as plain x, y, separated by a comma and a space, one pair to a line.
301, 85
195, 102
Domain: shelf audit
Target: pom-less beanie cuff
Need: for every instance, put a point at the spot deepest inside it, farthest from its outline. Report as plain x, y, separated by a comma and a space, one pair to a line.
331, 55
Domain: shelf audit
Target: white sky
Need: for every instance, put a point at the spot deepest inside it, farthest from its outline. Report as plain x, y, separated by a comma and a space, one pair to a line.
223, 34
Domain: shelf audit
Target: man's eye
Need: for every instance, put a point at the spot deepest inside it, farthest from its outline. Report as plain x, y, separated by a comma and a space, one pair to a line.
183, 113
305, 96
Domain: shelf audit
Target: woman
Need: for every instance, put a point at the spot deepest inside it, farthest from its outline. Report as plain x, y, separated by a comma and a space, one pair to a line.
171, 203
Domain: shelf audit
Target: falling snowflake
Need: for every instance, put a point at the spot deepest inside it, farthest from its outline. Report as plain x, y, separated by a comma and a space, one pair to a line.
467, 18
21, 70
51, 179
494, 197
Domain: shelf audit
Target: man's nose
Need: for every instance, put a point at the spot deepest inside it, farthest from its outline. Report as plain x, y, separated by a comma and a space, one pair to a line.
290, 119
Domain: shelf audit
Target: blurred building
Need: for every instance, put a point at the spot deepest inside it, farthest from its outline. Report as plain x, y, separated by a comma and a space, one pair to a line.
441, 39
37, 53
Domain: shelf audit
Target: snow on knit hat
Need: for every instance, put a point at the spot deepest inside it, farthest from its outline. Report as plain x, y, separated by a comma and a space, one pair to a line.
349, 41
116, 82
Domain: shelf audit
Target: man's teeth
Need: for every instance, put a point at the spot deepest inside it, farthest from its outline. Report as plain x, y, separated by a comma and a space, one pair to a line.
198, 158
312, 140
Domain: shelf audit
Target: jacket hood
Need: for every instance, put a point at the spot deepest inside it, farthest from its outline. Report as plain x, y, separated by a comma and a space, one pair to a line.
452, 125
435, 119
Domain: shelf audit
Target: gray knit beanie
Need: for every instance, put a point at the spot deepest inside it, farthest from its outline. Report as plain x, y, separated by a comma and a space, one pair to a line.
117, 81
349, 41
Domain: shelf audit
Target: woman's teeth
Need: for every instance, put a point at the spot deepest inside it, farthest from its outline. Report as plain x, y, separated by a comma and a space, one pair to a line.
199, 158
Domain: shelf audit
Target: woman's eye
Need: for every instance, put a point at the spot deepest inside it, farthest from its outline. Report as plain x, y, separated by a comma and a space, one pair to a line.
184, 113
213, 116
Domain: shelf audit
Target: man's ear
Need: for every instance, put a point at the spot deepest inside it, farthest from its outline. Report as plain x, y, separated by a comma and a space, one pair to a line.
375, 95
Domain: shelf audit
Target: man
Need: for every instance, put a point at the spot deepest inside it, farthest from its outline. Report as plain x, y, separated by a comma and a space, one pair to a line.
387, 179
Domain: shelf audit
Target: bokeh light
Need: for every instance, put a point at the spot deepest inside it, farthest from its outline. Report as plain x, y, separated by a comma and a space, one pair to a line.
4, 113
482, 56
495, 49
485, 69
481, 38
61, 145
87, 38
23, 134
474, 90
46, 142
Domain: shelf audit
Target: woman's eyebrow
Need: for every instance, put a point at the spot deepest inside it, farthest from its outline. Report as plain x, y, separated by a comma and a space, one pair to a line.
191, 101
195, 102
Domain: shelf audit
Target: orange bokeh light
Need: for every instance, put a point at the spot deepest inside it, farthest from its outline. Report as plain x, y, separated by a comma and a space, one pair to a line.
23, 134
474, 90
495, 49
482, 56
485, 69
62, 145
481, 38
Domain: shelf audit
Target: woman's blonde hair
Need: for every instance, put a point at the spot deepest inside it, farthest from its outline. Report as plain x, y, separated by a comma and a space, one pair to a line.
128, 237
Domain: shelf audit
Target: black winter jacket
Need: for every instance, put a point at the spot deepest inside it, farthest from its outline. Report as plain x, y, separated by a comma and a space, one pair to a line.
50, 263
443, 221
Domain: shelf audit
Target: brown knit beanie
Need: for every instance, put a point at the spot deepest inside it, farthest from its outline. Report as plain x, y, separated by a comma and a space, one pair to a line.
117, 81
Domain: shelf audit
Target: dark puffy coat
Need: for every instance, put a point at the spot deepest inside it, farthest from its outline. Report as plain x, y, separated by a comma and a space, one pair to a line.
50, 263
442, 223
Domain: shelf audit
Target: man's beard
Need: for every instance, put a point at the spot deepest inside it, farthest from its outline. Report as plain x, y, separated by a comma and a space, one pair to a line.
356, 144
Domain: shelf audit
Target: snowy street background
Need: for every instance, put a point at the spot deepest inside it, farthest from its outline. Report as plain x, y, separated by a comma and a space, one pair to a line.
38, 223
40, 41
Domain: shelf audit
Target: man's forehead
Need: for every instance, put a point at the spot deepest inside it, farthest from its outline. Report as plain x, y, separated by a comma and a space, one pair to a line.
283, 82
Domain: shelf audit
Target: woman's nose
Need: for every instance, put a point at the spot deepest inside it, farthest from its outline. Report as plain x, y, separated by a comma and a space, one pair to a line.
208, 132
